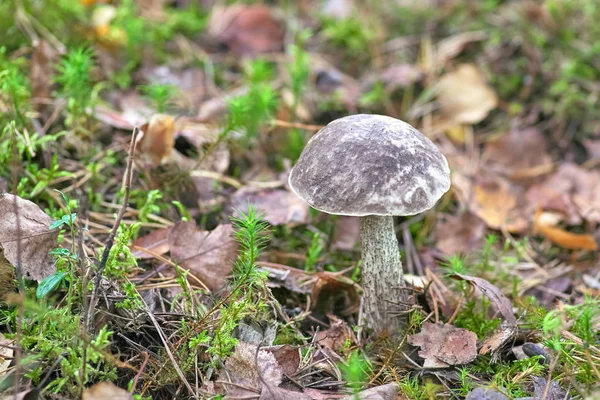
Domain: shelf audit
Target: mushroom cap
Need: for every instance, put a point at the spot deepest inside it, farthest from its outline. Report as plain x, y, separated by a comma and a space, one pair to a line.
370, 165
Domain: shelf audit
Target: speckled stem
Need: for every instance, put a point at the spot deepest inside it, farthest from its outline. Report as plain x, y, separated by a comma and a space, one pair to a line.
381, 274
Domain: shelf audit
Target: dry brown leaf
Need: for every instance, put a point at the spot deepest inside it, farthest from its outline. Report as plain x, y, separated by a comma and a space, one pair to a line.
279, 206
444, 345
498, 339
156, 241
571, 190
492, 198
464, 96
493, 294
36, 238
287, 356
347, 233
247, 29
249, 368
155, 146
460, 234
208, 255
106, 391
520, 154
562, 238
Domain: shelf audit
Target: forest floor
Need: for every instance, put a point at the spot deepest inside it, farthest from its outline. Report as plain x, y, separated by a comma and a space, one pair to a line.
184, 267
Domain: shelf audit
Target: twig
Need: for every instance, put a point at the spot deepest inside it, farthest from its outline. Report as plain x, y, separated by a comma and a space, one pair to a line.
113, 233
142, 367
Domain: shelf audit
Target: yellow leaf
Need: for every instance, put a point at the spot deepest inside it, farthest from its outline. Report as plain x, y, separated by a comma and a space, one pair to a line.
464, 95
567, 240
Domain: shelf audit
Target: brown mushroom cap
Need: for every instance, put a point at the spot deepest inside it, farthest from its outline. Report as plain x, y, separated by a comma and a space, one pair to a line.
370, 165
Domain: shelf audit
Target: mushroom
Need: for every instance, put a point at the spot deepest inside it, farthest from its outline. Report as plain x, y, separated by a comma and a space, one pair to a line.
374, 167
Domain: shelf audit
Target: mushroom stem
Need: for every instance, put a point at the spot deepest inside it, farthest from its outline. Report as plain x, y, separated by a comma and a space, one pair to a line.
381, 274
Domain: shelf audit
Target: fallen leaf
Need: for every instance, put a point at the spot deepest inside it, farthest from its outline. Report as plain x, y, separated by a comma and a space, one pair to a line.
460, 234
347, 233
571, 190
498, 339
562, 238
156, 241
493, 198
279, 206
106, 391
247, 29
36, 238
156, 144
208, 255
493, 294
383, 392
520, 154
287, 356
249, 368
464, 96
444, 345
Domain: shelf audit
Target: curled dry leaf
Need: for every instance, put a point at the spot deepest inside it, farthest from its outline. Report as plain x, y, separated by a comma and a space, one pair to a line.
520, 154
493, 294
247, 29
209, 255
562, 238
249, 367
155, 146
444, 345
279, 206
460, 234
36, 239
464, 96
506, 334
106, 391
492, 198
327, 286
